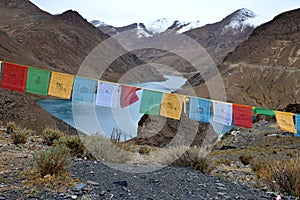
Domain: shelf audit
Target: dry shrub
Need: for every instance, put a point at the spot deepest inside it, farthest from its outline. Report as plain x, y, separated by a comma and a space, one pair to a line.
50, 135
245, 159
145, 150
54, 161
103, 149
20, 136
184, 156
73, 143
280, 175
11, 127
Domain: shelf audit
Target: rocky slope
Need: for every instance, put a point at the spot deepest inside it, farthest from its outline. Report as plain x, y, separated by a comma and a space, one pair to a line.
222, 37
265, 69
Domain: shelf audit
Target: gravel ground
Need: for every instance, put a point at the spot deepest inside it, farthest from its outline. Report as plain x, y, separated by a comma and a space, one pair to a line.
100, 181
97, 180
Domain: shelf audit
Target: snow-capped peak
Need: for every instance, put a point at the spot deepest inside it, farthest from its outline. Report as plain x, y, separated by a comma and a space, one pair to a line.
159, 25
242, 19
245, 13
189, 26
98, 23
141, 32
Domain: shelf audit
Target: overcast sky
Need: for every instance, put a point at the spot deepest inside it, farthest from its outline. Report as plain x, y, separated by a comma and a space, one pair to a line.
125, 12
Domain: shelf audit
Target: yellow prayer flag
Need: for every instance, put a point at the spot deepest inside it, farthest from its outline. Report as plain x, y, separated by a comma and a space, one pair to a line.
171, 105
61, 85
285, 121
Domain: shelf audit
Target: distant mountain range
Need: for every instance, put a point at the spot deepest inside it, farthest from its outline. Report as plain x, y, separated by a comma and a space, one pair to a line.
242, 19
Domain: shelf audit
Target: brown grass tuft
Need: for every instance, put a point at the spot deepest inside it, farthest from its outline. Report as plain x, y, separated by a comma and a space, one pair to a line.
50, 135
73, 144
184, 156
20, 136
280, 175
103, 149
54, 161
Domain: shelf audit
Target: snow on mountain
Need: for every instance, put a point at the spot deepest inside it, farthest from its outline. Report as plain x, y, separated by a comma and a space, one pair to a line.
98, 23
189, 26
159, 25
236, 22
242, 19
141, 32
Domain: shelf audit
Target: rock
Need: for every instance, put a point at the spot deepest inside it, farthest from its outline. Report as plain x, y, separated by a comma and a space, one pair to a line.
121, 183
74, 197
102, 193
92, 183
221, 188
220, 185
79, 187
227, 147
86, 197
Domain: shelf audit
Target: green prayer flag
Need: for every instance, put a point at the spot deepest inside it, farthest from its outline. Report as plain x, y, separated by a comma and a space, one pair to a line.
262, 111
150, 102
38, 81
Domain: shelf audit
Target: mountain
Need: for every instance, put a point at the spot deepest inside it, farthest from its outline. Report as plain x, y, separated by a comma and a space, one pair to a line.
264, 70
222, 37
98, 23
32, 37
149, 29
218, 39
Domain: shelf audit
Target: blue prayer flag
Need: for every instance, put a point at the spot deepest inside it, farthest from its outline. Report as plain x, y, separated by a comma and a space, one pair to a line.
84, 90
200, 109
297, 119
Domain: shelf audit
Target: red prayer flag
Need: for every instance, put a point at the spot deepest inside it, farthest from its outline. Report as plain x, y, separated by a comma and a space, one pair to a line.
242, 115
128, 95
14, 77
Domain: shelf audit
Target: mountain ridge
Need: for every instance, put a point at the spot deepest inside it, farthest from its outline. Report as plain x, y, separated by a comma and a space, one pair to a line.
263, 70
164, 24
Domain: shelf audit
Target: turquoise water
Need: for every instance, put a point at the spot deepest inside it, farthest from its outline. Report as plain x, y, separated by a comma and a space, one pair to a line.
91, 119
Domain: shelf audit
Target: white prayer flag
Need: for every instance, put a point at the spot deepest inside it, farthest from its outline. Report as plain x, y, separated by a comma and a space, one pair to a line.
222, 113
106, 94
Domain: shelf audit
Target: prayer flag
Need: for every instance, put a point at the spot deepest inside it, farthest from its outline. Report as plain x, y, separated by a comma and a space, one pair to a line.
61, 85
84, 90
262, 111
150, 102
222, 112
171, 105
220, 128
0, 71
200, 109
14, 77
38, 81
242, 115
285, 121
297, 119
106, 94
128, 95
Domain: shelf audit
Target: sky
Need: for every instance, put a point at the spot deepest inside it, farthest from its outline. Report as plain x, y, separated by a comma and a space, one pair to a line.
125, 12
